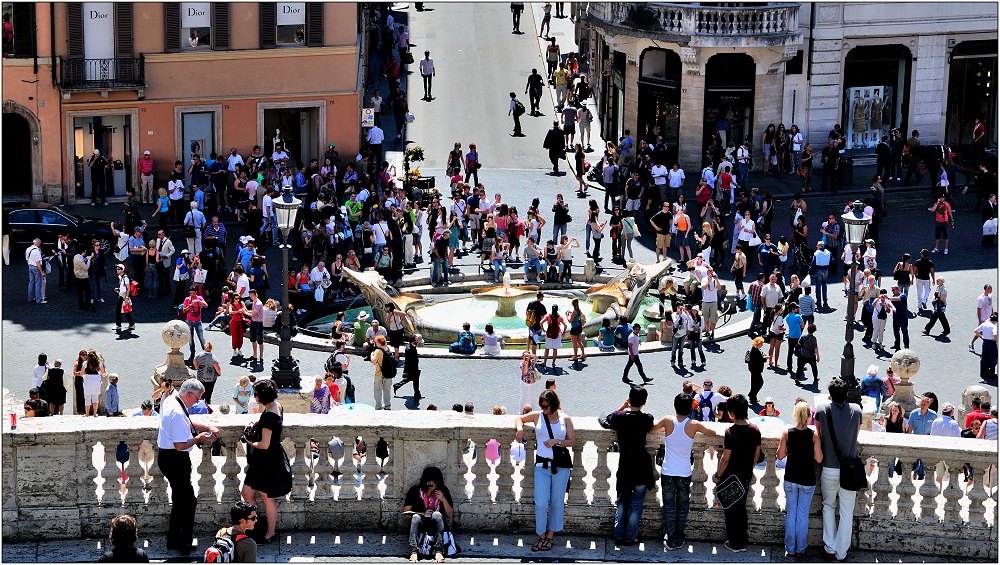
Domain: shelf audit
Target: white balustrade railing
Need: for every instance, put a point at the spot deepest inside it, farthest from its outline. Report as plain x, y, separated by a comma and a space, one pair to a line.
692, 19
61, 480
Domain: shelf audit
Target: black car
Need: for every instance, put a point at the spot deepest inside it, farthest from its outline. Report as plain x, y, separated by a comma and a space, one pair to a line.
25, 221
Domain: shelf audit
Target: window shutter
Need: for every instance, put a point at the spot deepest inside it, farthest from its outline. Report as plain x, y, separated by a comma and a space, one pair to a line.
74, 20
171, 27
268, 25
123, 29
220, 26
24, 29
314, 24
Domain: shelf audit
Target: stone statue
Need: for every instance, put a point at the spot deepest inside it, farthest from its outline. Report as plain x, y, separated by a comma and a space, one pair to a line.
175, 335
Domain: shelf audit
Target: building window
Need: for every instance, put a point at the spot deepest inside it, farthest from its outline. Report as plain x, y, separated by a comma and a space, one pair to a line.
291, 24
18, 29
876, 93
196, 25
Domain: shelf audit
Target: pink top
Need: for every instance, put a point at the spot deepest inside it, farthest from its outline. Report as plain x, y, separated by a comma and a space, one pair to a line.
493, 451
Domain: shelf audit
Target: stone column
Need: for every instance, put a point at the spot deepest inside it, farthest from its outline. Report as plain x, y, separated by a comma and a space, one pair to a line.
768, 96
692, 121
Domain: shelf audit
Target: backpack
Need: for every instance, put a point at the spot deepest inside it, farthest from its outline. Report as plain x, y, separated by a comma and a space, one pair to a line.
133, 288
518, 107
388, 365
530, 318
349, 393
224, 548
706, 409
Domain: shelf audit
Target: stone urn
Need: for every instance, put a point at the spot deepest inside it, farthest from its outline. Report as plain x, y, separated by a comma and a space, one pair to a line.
905, 364
175, 335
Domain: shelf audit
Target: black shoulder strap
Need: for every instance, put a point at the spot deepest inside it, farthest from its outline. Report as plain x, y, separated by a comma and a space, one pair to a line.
833, 433
194, 432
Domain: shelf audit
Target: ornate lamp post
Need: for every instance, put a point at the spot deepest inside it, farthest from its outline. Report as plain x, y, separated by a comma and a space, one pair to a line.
855, 226
285, 371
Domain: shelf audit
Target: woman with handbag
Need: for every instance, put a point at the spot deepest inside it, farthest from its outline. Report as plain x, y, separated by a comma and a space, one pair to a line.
555, 437
741, 451
802, 448
805, 167
267, 473
428, 504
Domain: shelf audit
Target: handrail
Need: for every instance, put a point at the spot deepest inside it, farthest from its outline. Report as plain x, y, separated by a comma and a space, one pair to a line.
102, 74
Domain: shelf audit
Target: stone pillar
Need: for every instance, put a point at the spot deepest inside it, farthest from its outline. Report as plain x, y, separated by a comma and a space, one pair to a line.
768, 97
928, 109
692, 122
905, 363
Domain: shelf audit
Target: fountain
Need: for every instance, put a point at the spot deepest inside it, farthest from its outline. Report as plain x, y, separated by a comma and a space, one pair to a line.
504, 296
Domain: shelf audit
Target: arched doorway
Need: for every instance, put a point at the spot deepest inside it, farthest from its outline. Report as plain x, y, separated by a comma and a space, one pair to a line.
729, 97
18, 179
660, 99
876, 93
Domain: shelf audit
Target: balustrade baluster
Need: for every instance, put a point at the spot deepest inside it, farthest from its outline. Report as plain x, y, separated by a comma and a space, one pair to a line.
769, 496
882, 488
388, 466
371, 478
977, 495
528, 474
928, 493
952, 494
111, 474
505, 476
349, 479
134, 473
905, 489
698, 477
601, 473
86, 471
324, 475
577, 485
157, 483
231, 470
206, 475
481, 471
301, 468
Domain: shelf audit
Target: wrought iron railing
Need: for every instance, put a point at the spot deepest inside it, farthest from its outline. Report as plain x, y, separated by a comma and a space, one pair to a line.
102, 74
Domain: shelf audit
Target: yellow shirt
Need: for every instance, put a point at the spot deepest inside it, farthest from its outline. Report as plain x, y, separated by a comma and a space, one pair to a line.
561, 76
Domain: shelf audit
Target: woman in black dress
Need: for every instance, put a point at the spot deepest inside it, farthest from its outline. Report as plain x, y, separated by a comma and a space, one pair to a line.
266, 474
55, 389
78, 369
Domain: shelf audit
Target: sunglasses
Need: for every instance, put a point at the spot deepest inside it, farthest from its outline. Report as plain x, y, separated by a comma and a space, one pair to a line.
431, 486
543, 406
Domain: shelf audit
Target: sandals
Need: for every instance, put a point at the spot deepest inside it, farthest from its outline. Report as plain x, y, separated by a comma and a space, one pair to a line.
543, 544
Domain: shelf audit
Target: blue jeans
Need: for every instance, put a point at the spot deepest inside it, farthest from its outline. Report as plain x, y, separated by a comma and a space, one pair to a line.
819, 281
797, 500
589, 231
557, 230
95, 288
533, 264
676, 501
377, 250
677, 348
630, 503
550, 499
439, 267
35, 284
499, 266
195, 327
743, 173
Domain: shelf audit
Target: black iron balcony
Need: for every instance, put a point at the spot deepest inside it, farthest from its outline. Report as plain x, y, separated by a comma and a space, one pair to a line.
118, 73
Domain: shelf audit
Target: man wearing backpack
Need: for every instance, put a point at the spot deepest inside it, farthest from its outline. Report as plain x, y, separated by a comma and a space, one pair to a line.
533, 320
517, 110
385, 372
707, 402
124, 300
234, 544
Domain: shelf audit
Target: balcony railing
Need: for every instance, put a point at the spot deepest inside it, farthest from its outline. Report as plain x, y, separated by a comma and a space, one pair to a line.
695, 20
118, 73
79, 495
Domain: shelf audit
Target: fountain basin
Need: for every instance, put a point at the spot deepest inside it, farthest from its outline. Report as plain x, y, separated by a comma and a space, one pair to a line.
505, 297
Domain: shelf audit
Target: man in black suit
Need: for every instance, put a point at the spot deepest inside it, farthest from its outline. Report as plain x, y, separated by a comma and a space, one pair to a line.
554, 143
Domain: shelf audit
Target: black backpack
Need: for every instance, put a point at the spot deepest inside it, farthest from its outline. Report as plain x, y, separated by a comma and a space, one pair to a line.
518, 107
349, 393
388, 365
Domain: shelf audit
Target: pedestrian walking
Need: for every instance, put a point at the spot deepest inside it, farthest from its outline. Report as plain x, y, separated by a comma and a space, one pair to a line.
943, 217
808, 354
837, 424
633, 356
555, 439
124, 307
755, 361
175, 440
192, 309
516, 110
516, 8
411, 368
801, 449
679, 432
634, 475
427, 73
939, 307
741, 451
533, 88
208, 370
987, 331
554, 142
36, 272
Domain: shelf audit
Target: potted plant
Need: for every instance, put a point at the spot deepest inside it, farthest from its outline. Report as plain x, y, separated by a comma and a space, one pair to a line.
414, 154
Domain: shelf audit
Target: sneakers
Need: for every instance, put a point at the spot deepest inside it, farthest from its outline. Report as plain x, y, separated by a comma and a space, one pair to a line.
945, 250
43, 301
935, 250
733, 549
102, 300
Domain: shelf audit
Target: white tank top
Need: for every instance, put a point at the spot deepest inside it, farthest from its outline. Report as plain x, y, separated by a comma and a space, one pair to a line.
677, 451
542, 435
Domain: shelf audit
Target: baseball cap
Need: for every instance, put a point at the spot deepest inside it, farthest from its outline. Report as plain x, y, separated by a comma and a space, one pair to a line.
146, 152
947, 407
769, 400
97, 151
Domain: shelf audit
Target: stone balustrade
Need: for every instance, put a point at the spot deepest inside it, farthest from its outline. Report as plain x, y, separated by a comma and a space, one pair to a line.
706, 25
61, 480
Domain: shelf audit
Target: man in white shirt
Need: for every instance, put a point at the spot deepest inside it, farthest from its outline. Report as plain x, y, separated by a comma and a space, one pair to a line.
682, 323
427, 72
233, 160
374, 139
319, 276
675, 177
36, 272
270, 220
770, 296
708, 173
710, 301
279, 157
633, 355
820, 270
659, 174
196, 218
984, 304
242, 282
945, 426
987, 331
743, 164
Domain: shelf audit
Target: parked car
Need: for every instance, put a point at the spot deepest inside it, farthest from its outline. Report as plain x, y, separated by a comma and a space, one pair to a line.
24, 221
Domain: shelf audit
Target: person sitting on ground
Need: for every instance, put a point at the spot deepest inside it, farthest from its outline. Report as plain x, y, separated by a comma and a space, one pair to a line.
428, 504
124, 533
622, 331
466, 342
606, 338
492, 343
769, 409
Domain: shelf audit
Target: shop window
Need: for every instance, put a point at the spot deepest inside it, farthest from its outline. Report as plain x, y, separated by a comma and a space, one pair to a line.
196, 25
876, 93
972, 92
659, 99
18, 29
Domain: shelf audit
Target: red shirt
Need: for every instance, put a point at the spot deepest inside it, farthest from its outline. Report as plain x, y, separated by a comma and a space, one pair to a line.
941, 212
146, 165
969, 418
725, 180
194, 314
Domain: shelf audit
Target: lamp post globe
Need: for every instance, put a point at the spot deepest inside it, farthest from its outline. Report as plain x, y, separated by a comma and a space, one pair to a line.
285, 371
855, 226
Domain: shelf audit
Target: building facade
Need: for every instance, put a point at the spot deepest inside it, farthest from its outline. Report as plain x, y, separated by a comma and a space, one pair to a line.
174, 78
733, 68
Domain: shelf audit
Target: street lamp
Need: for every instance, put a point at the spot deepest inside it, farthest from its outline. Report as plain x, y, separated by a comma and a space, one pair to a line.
855, 224
285, 370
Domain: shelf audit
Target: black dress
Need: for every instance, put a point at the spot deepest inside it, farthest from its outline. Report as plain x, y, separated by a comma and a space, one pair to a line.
55, 388
266, 467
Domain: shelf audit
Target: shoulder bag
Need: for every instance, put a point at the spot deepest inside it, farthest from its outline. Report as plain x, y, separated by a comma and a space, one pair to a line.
561, 456
852, 470
729, 491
